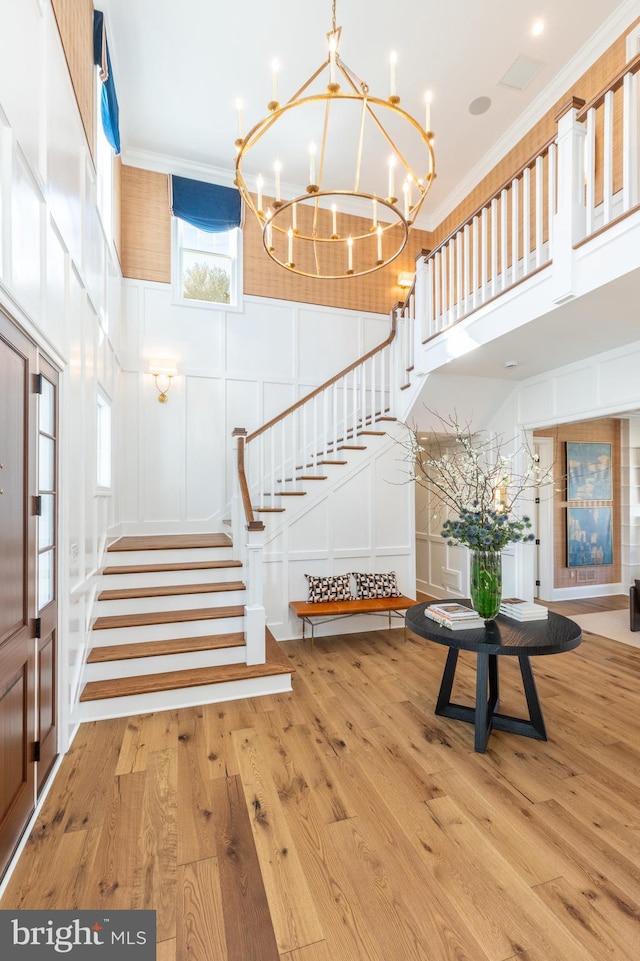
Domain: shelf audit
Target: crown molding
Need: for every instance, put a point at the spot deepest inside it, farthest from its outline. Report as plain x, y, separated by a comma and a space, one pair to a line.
618, 22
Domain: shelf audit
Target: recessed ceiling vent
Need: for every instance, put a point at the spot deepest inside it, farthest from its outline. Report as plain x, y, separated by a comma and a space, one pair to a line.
521, 73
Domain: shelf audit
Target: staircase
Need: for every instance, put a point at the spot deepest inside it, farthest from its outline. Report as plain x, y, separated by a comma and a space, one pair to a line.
169, 630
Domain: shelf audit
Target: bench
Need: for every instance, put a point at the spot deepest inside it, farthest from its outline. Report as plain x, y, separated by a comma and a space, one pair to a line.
327, 611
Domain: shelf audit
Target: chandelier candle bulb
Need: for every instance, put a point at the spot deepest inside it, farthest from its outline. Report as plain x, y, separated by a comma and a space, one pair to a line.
392, 182
374, 214
290, 245
312, 164
428, 97
334, 222
277, 167
275, 66
379, 232
393, 62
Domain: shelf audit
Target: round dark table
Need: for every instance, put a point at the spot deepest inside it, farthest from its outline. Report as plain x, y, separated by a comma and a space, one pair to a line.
499, 638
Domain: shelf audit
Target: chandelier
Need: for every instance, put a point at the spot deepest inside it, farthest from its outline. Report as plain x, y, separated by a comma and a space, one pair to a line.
340, 224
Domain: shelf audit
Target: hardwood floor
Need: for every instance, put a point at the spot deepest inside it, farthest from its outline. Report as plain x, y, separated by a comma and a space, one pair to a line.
344, 821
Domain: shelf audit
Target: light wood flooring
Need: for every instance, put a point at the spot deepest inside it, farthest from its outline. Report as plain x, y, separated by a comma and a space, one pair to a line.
344, 821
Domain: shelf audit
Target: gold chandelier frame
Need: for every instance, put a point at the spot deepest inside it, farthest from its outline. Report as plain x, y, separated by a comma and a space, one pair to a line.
280, 219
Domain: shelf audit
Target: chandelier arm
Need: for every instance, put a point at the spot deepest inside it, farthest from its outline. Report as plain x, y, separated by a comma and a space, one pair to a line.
308, 82
386, 136
354, 81
363, 115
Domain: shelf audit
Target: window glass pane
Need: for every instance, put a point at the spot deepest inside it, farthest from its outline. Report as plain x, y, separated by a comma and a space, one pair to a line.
47, 407
46, 522
45, 579
206, 277
46, 463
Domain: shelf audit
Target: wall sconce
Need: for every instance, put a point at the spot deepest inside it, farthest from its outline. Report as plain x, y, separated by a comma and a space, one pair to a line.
163, 372
405, 279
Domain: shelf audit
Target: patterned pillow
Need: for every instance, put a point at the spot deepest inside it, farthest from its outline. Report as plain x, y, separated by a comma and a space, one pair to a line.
336, 588
376, 585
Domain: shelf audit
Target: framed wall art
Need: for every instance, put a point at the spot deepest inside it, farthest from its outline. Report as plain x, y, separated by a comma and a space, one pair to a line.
589, 472
589, 536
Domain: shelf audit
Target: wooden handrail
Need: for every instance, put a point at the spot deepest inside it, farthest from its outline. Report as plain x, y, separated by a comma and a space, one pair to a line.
252, 523
503, 186
332, 380
632, 67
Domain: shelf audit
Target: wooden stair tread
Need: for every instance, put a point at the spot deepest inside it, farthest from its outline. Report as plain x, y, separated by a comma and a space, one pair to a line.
183, 566
123, 594
311, 477
339, 462
269, 510
170, 542
371, 433
386, 418
176, 645
276, 663
165, 617
289, 494
352, 447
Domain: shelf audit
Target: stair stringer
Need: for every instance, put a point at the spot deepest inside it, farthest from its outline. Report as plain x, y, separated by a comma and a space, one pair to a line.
360, 519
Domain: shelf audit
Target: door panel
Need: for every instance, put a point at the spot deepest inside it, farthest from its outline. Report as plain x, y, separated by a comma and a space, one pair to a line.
17, 586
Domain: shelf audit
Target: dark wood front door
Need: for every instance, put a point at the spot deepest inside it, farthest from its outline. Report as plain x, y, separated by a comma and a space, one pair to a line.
17, 586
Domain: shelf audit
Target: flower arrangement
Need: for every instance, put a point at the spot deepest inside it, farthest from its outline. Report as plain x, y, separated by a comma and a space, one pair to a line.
490, 531
477, 482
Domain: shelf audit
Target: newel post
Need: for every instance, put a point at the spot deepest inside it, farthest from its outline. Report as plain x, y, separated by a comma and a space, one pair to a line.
569, 220
254, 613
237, 510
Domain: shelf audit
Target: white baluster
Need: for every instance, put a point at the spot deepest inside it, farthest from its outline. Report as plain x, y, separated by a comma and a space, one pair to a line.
526, 219
551, 191
451, 313
539, 224
354, 403
294, 449
459, 275
270, 485
629, 141
465, 273
484, 262
515, 228
590, 168
315, 440
334, 416
494, 246
607, 151
436, 287
504, 195
475, 263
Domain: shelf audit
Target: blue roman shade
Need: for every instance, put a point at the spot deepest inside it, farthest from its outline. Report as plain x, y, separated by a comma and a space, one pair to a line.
108, 98
205, 206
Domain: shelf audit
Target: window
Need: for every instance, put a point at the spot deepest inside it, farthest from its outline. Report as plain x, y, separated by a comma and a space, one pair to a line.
207, 266
103, 441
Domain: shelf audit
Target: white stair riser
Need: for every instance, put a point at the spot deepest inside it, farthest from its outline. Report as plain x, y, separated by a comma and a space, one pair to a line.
114, 582
141, 666
183, 697
172, 602
128, 558
164, 632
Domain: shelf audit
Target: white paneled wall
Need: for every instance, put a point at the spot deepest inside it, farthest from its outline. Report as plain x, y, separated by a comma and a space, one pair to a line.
235, 370
60, 281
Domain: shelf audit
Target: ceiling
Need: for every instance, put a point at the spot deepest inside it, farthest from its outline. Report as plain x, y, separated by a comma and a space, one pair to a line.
180, 67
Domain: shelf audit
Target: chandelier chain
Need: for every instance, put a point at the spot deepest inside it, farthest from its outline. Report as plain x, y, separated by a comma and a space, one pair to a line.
333, 16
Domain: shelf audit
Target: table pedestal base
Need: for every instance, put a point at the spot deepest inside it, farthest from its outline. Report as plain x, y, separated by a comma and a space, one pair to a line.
484, 716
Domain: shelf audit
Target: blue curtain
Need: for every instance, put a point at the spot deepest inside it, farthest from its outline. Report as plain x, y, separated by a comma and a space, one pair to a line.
108, 98
205, 206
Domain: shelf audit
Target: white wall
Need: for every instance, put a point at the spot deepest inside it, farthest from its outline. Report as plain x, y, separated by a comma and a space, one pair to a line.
59, 279
236, 370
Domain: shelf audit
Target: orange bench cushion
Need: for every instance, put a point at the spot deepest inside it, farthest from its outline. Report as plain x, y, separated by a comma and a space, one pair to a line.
369, 605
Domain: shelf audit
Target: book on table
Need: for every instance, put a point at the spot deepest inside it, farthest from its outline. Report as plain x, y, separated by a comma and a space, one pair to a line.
455, 617
519, 610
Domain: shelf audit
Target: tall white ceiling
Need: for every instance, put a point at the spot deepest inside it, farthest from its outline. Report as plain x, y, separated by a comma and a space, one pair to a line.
180, 66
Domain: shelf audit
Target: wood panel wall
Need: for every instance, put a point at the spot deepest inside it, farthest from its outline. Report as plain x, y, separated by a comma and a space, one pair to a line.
589, 84
146, 254
75, 26
603, 430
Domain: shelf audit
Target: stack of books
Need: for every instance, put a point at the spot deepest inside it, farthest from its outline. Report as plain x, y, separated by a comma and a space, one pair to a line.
456, 617
519, 610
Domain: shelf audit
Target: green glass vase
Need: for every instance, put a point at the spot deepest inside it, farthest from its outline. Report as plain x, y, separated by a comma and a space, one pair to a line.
486, 583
